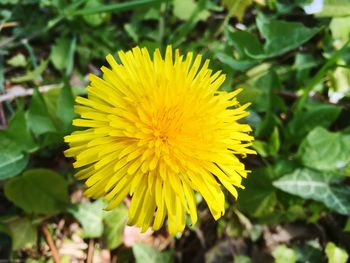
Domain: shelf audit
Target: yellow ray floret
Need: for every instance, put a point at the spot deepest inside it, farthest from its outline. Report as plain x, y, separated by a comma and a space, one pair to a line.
159, 130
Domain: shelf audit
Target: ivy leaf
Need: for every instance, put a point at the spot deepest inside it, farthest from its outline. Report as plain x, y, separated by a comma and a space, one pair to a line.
336, 254
38, 191
322, 187
147, 254
90, 217
114, 222
23, 233
325, 151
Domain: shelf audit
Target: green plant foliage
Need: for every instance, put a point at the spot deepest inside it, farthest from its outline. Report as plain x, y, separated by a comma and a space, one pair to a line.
323, 187
38, 191
114, 222
90, 217
336, 254
23, 233
290, 58
283, 254
147, 254
39, 120
325, 151
15, 143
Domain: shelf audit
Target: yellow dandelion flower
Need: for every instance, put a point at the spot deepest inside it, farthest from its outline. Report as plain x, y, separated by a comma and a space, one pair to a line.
159, 130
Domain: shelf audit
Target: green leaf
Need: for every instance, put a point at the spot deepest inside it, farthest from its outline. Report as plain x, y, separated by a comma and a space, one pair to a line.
322, 187
23, 233
282, 36
12, 163
240, 65
245, 43
309, 253
15, 143
65, 110
340, 29
19, 132
58, 55
324, 150
183, 9
147, 254
32, 75
283, 254
18, 60
274, 142
334, 8
236, 8
336, 254
188, 9
97, 19
38, 118
314, 115
90, 217
259, 197
115, 8
38, 191
114, 222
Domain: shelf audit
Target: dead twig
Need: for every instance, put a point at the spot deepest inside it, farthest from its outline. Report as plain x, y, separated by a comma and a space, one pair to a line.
50, 243
8, 24
19, 91
91, 248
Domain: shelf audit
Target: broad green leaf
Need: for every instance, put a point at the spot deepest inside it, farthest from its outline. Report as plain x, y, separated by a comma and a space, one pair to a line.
314, 115
97, 19
147, 254
59, 50
32, 75
283, 254
236, 8
282, 36
259, 197
114, 222
38, 191
12, 163
340, 29
335, 8
245, 43
23, 233
188, 9
18, 60
309, 252
322, 187
19, 132
183, 9
15, 143
347, 226
240, 65
90, 216
38, 118
324, 150
268, 84
336, 254
64, 110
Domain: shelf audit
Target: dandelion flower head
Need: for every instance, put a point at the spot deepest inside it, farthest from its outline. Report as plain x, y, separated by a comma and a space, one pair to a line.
158, 129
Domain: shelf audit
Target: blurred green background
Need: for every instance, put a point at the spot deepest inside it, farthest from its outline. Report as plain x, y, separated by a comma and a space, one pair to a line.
290, 57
